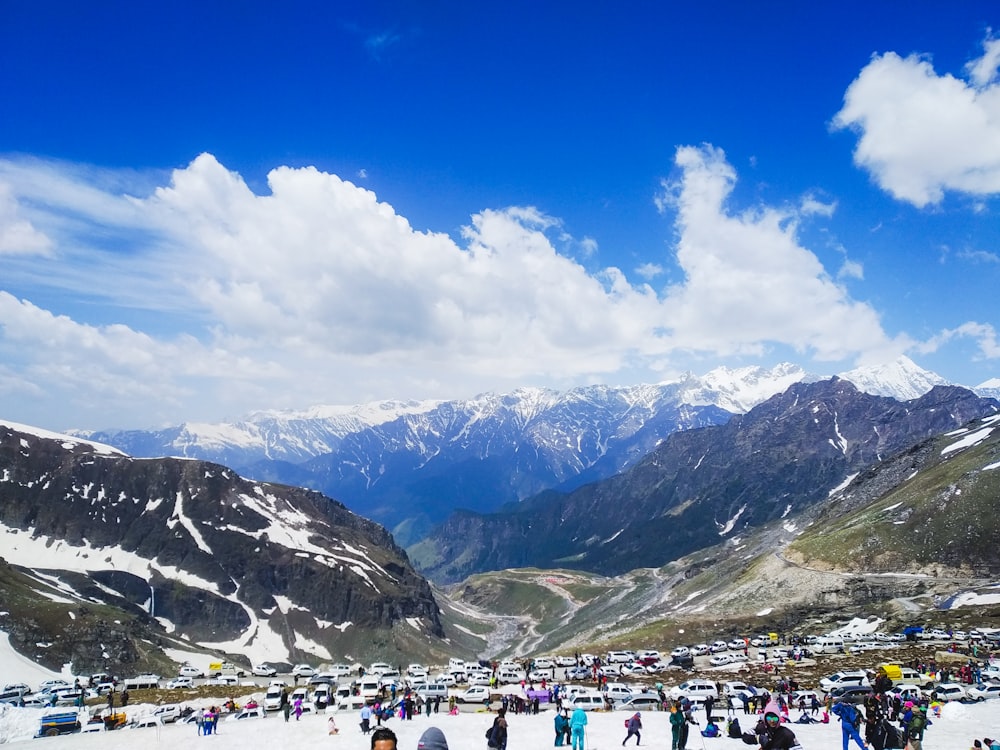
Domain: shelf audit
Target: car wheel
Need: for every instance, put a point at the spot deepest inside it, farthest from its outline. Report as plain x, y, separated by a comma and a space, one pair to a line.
51, 732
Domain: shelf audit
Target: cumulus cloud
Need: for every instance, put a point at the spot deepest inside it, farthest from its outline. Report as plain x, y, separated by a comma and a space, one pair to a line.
920, 133
317, 292
749, 283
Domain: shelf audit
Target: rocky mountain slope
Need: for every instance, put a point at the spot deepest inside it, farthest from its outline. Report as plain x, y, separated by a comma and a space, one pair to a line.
702, 485
409, 465
193, 551
912, 540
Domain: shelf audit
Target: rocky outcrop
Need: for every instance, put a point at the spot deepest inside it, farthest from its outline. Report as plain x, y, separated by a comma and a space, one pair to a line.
215, 556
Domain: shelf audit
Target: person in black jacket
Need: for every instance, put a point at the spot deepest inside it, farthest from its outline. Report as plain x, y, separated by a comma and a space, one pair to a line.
775, 736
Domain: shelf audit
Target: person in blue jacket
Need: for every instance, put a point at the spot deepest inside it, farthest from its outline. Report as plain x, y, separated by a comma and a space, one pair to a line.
578, 726
850, 720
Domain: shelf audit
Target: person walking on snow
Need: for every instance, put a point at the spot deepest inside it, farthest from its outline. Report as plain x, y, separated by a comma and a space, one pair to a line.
850, 720
634, 725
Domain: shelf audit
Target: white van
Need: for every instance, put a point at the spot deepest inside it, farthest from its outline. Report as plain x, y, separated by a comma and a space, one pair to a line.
828, 644
588, 701
432, 690
272, 698
369, 687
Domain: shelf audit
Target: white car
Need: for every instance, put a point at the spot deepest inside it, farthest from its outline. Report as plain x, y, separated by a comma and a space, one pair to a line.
737, 644
544, 663
565, 661
264, 670
843, 679
618, 691
949, 691
719, 646
188, 671
720, 660
303, 670
179, 683
168, 714
700, 649
680, 651
257, 712
983, 691
445, 679
692, 688
475, 694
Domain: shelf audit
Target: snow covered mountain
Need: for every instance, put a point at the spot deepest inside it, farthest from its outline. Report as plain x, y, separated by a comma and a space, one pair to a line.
409, 464
220, 561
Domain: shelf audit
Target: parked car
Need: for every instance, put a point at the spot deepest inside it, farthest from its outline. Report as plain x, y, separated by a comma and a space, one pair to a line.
168, 714
680, 651
303, 670
718, 646
700, 649
842, 679
188, 671
145, 722
617, 691
263, 670
949, 691
589, 701
720, 660
850, 694
257, 712
639, 702
983, 691
180, 683
691, 688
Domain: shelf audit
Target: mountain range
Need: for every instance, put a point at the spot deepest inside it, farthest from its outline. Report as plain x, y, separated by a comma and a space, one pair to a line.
410, 465
698, 487
117, 559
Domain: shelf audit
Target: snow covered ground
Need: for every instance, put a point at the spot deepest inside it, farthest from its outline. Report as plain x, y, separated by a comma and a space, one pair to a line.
954, 730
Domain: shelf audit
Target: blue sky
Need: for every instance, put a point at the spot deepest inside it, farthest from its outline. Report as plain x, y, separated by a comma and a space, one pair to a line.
209, 208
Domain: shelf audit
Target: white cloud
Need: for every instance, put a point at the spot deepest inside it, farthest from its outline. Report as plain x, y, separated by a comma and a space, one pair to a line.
17, 235
649, 270
749, 283
920, 133
851, 269
983, 334
317, 292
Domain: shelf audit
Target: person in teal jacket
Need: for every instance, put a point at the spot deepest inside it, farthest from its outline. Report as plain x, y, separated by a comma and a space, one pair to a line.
577, 726
677, 722
561, 724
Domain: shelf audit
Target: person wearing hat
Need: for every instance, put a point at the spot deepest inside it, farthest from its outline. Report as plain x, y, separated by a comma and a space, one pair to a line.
775, 736
432, 739
991, 744
634, 725
676, 723
914, 732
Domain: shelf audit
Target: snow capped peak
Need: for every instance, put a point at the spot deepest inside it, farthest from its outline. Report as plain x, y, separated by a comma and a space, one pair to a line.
371, 413
901, 379
68, 441
739, 389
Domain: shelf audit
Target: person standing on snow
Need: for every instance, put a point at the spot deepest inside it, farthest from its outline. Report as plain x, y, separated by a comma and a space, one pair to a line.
578, 728
561, 724
850, 720
634, 727
676, 724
